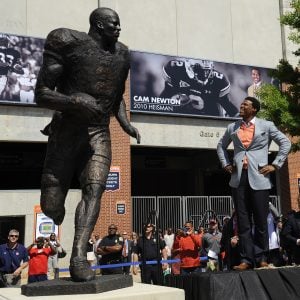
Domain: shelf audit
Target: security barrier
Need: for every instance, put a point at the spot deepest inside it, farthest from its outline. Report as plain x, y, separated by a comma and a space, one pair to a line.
173, 211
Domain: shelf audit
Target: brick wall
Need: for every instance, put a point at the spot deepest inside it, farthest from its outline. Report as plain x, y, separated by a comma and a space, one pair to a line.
294, 169
120, 158
285, 192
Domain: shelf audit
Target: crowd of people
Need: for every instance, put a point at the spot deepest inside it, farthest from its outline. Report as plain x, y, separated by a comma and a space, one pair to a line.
213, 246
41, 258
217, 247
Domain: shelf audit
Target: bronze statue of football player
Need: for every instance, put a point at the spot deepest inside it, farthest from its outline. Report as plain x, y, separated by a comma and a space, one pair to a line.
83, 79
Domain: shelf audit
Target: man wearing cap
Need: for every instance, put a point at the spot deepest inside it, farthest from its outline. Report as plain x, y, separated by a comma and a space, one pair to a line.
151, 248
250, 178
211, 242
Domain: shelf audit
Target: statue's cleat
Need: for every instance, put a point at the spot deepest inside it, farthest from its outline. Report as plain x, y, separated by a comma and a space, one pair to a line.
80, 270
55, 212
58, 219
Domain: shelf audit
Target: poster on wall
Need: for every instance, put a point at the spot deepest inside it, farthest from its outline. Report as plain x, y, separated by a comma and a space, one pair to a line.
121, 208
43, 225
173, 85
113, 179
20, 62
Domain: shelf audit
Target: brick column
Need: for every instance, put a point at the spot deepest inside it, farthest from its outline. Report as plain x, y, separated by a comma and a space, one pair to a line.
290, 178
121, 158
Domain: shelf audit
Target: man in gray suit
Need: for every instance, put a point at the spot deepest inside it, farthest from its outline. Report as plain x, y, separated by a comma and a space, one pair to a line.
250, 178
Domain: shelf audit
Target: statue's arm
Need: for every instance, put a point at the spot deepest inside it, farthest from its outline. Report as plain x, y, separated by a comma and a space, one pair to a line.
119, 109
45, 93
47, 96
121, 116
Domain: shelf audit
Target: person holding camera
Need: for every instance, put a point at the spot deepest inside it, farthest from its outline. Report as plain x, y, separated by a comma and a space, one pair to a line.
39, 252
53, 259
188, 246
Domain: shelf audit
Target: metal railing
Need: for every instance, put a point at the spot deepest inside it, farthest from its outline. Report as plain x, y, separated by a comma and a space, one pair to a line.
173, 211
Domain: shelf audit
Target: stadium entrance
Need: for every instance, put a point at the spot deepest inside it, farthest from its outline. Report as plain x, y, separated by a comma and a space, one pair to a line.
177, 172
180, 172
180, 185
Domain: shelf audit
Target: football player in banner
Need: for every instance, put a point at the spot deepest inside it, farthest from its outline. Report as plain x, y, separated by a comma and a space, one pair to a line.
9, 61
201, 89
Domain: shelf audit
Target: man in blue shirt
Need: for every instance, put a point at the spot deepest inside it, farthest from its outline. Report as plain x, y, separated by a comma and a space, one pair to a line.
13, 259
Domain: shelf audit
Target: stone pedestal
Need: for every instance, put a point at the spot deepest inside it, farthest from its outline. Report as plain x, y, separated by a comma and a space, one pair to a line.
136, 292
65, 286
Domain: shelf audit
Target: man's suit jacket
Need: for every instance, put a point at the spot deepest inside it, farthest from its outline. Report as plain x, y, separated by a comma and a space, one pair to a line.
130, 246
252, 89
257, 152
291, 229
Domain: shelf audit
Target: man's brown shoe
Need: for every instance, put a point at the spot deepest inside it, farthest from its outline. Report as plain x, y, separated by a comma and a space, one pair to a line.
263, 264
242, 267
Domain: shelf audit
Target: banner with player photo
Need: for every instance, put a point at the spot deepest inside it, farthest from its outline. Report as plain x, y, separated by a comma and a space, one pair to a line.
173, 85
20, 62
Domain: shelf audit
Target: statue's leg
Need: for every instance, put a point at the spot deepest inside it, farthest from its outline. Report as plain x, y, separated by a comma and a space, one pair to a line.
56, 178
93, 176
53, 198
86, 216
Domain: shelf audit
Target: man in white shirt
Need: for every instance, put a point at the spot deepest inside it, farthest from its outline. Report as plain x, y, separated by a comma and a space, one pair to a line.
53, 258
169, 240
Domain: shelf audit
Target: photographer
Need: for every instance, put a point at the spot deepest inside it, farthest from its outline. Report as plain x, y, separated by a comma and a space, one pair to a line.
188, 247
39, 252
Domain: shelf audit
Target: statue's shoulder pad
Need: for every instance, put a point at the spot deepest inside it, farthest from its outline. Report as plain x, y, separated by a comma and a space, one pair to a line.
63, 36
121, 47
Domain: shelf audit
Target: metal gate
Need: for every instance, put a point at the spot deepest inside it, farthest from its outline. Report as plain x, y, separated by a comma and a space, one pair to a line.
201, 208
170, 211
173, 211
141, 208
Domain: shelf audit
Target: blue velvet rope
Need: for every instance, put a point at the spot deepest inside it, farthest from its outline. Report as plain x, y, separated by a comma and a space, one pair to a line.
135, 263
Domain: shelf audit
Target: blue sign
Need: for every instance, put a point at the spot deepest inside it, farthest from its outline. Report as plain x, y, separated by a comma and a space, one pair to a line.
121, 208
113, 179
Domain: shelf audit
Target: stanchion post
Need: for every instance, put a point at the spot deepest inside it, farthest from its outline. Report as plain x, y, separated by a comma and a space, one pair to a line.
56, 273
